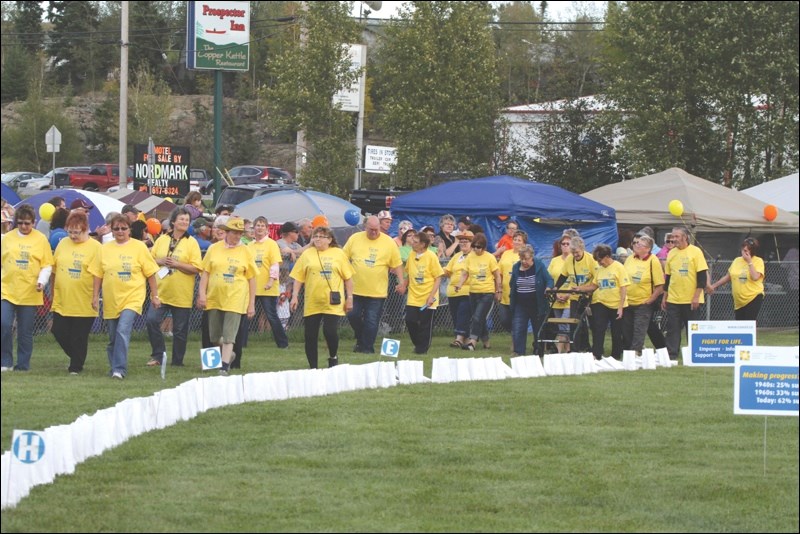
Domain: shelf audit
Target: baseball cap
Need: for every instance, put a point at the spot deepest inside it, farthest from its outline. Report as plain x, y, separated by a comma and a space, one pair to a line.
385, 214
129, 208
220, 221
80, 203
200, 222
289, 226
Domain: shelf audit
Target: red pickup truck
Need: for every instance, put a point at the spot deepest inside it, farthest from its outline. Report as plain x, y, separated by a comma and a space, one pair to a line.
100, 177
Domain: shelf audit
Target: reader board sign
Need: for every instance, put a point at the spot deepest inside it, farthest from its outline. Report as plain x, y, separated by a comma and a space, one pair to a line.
167, 175
712, 343
765, 382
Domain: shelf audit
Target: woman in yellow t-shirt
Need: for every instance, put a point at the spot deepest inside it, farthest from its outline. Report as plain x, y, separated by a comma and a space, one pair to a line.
268, 260
72, 283
746, 275
458, 304
124, 266
609, 299
424, 274
325, 272
27, 263
179, 259
227, 288
484, 283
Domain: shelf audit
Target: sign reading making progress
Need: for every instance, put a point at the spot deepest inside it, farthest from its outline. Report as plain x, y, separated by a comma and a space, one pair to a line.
167, 176
766, 381
379, 159
218, 35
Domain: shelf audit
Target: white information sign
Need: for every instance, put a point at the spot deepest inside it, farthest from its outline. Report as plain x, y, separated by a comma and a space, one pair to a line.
379, 159
350, 97
712, 343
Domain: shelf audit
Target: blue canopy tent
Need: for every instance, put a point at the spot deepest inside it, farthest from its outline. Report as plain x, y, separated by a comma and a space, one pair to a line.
542, 210
9, 195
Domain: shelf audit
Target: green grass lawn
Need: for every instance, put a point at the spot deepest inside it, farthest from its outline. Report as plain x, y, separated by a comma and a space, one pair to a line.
624, 452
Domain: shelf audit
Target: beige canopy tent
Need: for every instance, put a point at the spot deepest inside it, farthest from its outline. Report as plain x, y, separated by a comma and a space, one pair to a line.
708, 207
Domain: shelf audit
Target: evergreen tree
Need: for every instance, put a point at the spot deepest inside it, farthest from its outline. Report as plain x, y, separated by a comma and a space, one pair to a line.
28, 26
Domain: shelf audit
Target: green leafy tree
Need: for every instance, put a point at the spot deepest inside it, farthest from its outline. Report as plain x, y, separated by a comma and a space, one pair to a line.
439, 91
517, 41
706, 86
306, 77
575, 149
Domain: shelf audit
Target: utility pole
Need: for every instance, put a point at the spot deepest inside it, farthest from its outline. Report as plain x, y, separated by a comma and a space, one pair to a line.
123, 99
300, 147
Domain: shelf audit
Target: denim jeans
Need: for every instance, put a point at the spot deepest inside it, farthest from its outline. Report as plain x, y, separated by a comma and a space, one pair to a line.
25, 317
270, 307
523, 314
481, 304
180, 332
461, 314
504, 314
364, 318
119, 338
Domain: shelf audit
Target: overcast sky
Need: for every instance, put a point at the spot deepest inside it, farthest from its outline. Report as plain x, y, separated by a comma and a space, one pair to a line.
558, 11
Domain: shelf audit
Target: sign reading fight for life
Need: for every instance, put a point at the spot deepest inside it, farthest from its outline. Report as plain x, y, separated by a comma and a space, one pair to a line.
765, 382
712, 343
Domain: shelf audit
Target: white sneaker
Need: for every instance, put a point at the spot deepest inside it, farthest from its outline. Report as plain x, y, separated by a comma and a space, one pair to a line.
4, 369
117, 375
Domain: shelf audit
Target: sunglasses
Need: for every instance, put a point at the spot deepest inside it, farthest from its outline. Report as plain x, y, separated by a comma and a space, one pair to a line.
24, 223
120, 228
478, 247
565, 244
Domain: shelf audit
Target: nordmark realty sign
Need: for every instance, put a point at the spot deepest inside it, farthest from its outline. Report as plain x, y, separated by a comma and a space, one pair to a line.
218, 36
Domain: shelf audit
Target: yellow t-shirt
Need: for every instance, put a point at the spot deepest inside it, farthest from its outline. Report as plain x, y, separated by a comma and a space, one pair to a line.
506, 263
124, 270
481, 269
456, 266
73, 285
642, 284
23, 257
266, 254
322, 272
555, 268
682, 267
609, 280
371, 260
578, 272
229, 270
743, 287
422, 274
177, 288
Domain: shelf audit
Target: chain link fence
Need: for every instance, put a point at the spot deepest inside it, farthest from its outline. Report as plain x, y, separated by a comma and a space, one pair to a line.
780, 308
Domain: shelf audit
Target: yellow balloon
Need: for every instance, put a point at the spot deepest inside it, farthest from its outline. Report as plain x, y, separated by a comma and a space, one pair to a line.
46, 211
676, 207
169, 199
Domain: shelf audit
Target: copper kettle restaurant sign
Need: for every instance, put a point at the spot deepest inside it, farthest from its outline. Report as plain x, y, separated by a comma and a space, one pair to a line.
218, 36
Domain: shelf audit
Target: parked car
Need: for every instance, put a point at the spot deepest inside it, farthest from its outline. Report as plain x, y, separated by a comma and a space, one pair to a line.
13, 179
198, 178
36, 184
252, 174
236, 194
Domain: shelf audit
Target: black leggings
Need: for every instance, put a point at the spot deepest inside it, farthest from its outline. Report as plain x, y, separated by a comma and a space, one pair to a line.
749, 312
330, 329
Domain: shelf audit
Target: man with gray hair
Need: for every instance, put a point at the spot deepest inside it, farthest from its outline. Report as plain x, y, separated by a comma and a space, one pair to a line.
372, 255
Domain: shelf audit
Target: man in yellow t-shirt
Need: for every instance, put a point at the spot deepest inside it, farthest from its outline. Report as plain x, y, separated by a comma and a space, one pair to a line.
686, 277
372, 254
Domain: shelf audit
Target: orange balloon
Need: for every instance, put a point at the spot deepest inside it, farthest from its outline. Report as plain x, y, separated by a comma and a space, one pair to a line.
770, 212
153, 226
319, 220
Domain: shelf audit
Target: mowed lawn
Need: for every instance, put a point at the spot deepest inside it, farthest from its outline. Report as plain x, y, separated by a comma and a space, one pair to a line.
645, 451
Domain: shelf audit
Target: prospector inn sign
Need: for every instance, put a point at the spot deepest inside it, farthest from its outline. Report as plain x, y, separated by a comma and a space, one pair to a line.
218, 36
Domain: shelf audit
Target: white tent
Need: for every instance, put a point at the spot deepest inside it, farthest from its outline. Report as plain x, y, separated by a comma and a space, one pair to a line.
708, 207
783, 193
